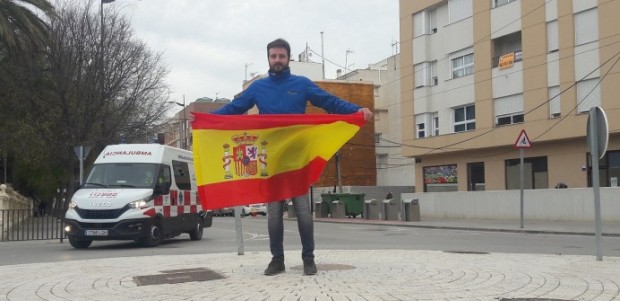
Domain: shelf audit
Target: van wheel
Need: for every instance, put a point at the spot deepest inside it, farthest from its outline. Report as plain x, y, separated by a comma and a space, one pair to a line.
155, 236
79, 244
196, 233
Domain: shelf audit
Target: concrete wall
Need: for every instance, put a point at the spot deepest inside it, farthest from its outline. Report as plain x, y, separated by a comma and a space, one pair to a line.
572, 204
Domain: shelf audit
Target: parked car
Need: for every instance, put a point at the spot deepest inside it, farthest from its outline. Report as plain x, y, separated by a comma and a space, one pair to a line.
254, 209
228, 211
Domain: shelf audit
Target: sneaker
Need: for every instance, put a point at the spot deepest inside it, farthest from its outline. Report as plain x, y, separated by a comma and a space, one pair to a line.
275, 267
309, 267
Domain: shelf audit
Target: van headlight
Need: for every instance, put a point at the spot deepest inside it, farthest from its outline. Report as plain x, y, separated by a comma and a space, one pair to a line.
139, 204
72, 205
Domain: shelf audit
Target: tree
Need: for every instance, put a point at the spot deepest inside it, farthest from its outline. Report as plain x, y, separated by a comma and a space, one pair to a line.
21, 31
76, 92
20, 26
98, 93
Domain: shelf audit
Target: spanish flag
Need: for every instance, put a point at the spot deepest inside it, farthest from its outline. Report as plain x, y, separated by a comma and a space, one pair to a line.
247, 159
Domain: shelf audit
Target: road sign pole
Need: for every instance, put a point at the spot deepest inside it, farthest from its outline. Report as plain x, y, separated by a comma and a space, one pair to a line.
594, 155
81, 165
522, 142
522, 179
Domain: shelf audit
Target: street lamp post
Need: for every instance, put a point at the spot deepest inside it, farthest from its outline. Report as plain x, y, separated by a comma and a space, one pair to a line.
184, 120
102, 39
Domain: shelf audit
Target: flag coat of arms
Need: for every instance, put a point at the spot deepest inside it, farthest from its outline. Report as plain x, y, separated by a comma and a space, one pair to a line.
246, 159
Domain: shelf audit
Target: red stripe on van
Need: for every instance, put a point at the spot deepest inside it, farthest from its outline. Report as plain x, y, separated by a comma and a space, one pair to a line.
159, 201
166, 211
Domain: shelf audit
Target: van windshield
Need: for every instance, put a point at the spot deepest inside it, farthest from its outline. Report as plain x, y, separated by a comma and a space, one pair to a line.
129, 175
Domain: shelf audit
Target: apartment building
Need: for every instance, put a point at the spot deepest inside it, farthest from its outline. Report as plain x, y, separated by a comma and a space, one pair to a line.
178, 129
476, 73
393, 169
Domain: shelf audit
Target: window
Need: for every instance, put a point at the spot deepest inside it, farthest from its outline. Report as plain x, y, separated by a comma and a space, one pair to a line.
431, 22
554, 102
435, 124
552, 36
434, 80
508, 109
586, 27
509, 119
420, 130
502, 2
465, 118
424, 22
426, 74
463, 65
181, 175
535, 173
459, 10
509, 44
609, 169
588, 94
420, 124
475, 176
440, 178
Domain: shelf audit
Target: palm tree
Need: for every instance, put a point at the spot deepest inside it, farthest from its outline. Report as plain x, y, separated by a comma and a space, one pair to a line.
21, 26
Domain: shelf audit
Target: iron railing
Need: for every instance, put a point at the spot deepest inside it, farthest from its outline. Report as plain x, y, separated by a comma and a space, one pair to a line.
27, 224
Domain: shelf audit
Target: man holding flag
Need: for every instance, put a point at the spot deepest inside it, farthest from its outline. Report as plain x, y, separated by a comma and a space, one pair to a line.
285, 93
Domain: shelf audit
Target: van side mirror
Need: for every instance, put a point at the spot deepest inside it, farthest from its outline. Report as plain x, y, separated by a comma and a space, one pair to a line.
162, 188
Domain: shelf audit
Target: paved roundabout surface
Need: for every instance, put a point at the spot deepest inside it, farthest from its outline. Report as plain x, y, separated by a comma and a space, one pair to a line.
342, 275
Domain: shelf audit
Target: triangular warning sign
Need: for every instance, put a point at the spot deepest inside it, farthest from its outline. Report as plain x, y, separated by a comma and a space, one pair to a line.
523, 141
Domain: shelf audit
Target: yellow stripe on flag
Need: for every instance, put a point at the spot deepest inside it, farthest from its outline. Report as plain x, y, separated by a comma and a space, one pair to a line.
243, 159
278, 150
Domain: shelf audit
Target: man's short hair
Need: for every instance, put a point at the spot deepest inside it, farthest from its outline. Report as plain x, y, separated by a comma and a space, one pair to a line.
279, 43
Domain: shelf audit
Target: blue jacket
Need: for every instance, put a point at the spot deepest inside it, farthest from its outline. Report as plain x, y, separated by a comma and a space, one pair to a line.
285, 93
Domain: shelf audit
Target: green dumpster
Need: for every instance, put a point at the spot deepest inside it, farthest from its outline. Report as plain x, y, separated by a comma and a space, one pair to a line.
353, 202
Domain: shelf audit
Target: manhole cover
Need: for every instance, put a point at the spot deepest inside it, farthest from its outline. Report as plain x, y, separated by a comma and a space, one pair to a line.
531, 299
467, 252
178, 276
327, 267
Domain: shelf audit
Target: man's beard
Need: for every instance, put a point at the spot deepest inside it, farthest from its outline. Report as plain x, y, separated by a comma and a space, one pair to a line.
278, 67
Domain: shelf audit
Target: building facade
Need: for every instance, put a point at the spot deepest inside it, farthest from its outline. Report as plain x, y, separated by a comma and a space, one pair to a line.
476, 73
393, 169
357, 166
178, 129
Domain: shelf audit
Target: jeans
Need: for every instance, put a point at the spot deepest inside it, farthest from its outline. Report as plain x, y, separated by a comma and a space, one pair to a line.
275, 225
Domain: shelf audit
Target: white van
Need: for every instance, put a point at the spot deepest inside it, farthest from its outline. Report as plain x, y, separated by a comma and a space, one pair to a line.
141, 192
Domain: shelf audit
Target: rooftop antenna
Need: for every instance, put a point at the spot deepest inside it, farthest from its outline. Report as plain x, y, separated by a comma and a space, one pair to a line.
394, 47
246, 71
346, 58
322, 55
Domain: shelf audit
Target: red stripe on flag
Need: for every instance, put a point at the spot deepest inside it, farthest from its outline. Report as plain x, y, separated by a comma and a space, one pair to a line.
256, 122
275, 188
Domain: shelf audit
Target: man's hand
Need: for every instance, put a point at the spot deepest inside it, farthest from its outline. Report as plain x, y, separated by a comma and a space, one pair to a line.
367, 113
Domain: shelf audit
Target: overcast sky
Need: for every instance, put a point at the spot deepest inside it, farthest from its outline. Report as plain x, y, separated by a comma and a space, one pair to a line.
207, 43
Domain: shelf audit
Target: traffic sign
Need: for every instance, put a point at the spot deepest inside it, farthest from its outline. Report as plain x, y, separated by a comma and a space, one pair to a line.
523, 141
600, 130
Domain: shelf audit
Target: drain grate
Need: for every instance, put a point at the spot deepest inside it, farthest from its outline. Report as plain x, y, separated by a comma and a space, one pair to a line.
178, 276
327, 267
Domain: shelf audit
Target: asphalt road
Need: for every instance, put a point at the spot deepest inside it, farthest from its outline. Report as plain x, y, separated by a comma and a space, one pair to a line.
221, 238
